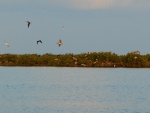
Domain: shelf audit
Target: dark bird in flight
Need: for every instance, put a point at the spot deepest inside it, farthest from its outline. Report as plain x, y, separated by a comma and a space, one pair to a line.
28, 23
39, 41
59, 43
63, 27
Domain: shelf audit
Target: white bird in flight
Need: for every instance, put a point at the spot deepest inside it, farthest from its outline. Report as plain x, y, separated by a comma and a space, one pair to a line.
59, 43
6, 44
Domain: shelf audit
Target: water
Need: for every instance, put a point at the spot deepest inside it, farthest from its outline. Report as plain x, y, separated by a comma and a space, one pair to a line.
74, 90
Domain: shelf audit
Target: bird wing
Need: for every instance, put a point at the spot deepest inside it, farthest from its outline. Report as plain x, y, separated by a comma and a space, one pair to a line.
28, 23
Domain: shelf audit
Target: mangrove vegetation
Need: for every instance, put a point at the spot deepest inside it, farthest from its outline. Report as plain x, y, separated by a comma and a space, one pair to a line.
93, 59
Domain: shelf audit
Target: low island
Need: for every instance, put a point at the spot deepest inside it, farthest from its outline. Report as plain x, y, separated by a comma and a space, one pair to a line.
89, 59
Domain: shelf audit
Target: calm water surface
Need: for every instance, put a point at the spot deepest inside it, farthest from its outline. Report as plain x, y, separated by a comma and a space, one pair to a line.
74, 90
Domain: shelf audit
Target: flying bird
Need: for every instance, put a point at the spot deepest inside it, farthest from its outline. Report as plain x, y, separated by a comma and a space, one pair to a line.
6, 44
63, 27
59, 43
28, 23
39, 41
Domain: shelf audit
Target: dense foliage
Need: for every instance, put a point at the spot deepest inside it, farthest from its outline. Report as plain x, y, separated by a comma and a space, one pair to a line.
94, 59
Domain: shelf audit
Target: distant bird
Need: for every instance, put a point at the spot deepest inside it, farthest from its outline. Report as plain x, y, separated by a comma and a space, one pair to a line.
59, 43
28, 23
6, 43
39, 41
63, 27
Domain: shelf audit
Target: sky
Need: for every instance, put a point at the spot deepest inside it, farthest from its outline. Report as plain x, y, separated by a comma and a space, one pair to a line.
119, 26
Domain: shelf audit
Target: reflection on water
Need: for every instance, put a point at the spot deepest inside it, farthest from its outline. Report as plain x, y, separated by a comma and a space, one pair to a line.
74, 90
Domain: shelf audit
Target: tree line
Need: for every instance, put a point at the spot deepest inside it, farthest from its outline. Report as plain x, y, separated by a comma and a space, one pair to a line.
93, 59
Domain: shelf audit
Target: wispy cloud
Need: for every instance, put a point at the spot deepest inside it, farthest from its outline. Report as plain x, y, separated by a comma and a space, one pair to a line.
101, 4
87, 4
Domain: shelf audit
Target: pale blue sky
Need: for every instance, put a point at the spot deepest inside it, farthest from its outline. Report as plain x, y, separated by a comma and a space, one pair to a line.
120, 26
